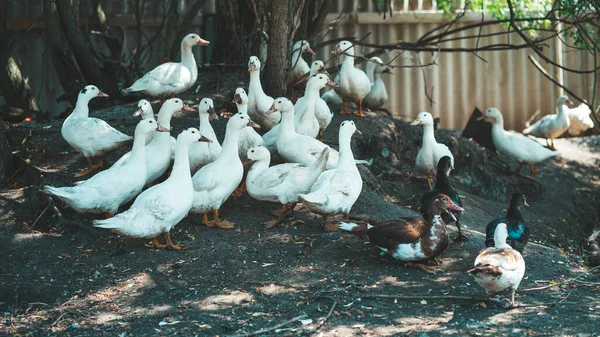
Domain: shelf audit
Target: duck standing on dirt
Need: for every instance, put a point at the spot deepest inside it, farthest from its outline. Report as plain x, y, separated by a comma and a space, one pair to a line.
518, 231
443, 185
258, 101
109, 189
409, 239
204, 153
499, 267
553, 125
91, 136
431, 151
337, 189
281, 183
215, 182
171, 78
378, 95
158, 209
354, 83
299, 65
522, 148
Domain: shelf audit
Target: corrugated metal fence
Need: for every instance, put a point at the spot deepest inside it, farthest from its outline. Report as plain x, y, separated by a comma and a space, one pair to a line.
460, 81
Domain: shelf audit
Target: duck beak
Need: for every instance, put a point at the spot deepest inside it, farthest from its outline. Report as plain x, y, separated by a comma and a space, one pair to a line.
387, 70
212, 114
330, 84
454, 207
188, 108
202, 42
254, 125
101, 94
204, 139
237, 99
322, 69
417, 122
137, 112
309, 50
357, 132
160, 128
336, 50
251, 67
271, 110
482, 118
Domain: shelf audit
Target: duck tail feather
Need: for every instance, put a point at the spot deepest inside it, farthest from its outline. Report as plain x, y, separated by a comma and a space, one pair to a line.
485, 270
358, 229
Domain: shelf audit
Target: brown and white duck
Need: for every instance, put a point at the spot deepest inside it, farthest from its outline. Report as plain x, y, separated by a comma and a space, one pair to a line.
408, 238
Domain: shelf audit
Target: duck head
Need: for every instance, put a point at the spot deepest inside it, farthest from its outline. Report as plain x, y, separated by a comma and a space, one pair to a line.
349, 128
192, 40
563, 100
144, 109
89, 92
240, 121
304, 46
442, 202
190, 136
258, 153
424, 119
174, 105
343, 47
320, 81
517, 200
145, 126
445, 165
317, 67
207, 107
253, 64
281, 104
240, 96
491, 115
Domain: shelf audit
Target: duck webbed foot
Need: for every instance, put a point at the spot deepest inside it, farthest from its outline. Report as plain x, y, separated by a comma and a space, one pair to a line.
240, 190
328, 226
460, 236
427, 269
360, 111
170, 244
345, 110
223, 224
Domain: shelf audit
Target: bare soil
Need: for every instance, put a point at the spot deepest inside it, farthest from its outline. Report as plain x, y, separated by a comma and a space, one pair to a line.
61, 277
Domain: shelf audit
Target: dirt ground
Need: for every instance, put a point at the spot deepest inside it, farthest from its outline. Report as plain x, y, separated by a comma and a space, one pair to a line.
60, 277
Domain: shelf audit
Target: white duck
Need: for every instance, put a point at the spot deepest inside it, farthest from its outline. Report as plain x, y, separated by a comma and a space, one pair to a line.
499, 267
522, 148
158, 209
305, 121
109, 189
354, 83
378, 95
330, 95
205, 153
299, 66
145, 110
551, 126
248, 136
171, 78
336, 190
91, 136
215, 182
160, 147
297, 148
258, 101
281, 183
322, 111
431, 151
580, 119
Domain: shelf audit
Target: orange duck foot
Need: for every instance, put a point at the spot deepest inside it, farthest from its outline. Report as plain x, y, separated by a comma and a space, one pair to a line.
170, 244
421, 266
330, 227
157, 244
272, 223
238, 192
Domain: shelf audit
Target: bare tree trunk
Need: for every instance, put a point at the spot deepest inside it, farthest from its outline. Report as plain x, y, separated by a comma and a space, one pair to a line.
14, 87
186, 24
239, 30
276, 68
6, 161
62, 58
85, 56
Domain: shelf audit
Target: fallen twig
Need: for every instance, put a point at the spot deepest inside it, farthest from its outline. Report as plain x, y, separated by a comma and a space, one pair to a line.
585, 273
275, 327
324, 319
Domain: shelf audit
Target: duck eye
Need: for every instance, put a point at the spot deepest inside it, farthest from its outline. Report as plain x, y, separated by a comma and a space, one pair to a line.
193, 131
252, 151
279, 102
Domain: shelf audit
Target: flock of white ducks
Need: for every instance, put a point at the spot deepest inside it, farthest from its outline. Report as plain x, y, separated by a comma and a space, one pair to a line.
205, 173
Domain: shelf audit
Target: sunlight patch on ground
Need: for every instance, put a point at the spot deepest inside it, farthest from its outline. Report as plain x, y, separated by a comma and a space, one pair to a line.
430, 323
273, 289
23, 237
223, 301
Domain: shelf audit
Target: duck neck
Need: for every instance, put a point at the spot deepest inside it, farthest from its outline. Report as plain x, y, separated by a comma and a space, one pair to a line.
188, 60
287, 123
428, 135
164, 119
297, 59
81, 108
242, 107
514, 213
254, 84
498, 127
311, 93
346, 159
138, 150
258, 167
442, 181
230, 145
349, 58
500, 240
205, 128
562, 114
181, 166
